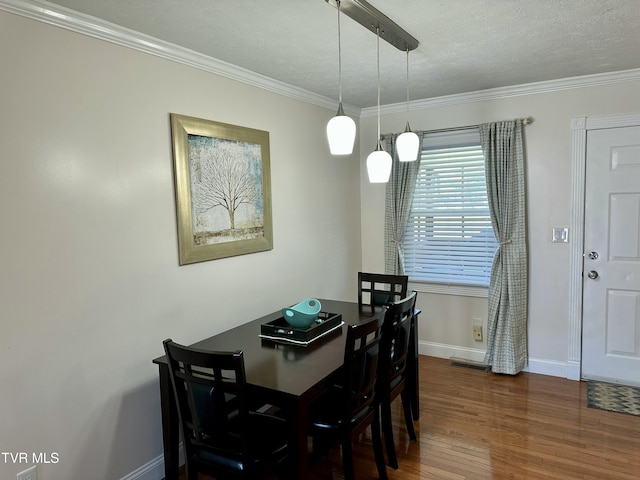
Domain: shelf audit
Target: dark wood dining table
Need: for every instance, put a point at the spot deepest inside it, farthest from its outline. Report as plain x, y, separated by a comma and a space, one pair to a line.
287, 376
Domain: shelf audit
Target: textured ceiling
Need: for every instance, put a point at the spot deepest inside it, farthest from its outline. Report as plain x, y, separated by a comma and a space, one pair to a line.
465, 45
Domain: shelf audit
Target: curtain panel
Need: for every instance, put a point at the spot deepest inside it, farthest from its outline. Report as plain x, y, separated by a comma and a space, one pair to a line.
502, 143
399, 195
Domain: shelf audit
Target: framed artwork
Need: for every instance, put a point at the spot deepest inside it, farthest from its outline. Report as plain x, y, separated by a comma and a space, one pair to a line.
223, 189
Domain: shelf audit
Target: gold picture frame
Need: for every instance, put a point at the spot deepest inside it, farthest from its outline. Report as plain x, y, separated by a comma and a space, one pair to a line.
223, 189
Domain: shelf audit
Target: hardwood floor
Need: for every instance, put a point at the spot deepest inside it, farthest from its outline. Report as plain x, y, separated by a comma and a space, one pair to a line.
476, 425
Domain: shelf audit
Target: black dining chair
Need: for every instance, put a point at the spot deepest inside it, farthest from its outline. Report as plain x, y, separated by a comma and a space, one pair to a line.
377, 289
222, 437
346, 409
392, 369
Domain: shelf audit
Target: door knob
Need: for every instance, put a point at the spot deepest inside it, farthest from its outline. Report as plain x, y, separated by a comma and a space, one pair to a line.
592, 274
593, 255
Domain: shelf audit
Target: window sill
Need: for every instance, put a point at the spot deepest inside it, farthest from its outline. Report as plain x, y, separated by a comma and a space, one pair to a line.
449, 289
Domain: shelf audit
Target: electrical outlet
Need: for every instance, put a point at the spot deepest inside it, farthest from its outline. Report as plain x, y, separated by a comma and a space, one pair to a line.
477, 332
30, 473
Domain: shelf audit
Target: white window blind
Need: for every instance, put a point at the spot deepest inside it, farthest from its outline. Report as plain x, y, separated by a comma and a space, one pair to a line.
449, 238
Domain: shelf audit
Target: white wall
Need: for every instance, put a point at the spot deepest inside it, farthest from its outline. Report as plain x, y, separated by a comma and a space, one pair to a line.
446, 321
90, 282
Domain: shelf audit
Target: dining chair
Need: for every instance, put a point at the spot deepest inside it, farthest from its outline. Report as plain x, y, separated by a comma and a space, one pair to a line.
345, 410
392, 369
376, 289
222, 437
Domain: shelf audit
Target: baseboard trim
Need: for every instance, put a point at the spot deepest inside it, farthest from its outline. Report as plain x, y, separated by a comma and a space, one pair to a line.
552, 368
152, 470
574, 370
442, 350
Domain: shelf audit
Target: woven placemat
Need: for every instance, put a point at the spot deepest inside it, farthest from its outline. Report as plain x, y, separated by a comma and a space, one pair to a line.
613, 397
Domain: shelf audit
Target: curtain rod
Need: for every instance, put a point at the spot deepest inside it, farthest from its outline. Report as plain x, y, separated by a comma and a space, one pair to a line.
525, 121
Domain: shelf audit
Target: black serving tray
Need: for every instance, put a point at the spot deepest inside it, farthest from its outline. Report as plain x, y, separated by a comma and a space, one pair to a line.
280, 330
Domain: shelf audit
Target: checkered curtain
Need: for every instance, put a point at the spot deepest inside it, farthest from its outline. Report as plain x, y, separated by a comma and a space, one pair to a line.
502, 143
399, 196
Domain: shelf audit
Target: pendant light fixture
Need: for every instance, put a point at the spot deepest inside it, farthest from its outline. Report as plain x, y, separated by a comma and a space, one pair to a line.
379, 161
341, 129
407, 143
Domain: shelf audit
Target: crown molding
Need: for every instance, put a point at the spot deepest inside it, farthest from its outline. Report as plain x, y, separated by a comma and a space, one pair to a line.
512, 91
94, 27
91, 26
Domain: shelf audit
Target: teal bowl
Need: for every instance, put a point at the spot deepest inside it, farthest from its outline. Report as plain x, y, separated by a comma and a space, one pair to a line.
303, 314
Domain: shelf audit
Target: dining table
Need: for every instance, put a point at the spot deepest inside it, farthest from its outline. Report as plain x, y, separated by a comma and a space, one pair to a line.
286, 375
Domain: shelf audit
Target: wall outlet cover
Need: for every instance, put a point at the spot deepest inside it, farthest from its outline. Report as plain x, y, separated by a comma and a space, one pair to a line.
30, 473
477, 332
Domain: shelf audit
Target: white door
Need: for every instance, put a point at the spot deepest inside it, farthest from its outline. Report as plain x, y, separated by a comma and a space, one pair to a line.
611, 278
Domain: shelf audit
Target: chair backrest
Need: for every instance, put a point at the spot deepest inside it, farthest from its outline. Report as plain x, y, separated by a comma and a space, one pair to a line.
394, 342
376, 289
209, 388
360, 367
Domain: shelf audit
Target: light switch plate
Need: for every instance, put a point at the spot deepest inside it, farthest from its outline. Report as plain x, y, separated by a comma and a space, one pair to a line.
560, 235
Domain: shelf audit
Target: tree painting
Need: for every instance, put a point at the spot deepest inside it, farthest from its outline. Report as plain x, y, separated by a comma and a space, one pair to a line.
226, 189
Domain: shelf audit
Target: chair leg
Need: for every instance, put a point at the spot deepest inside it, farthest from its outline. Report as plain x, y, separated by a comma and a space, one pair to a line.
347, 460
408, 417
319, 447
287, 471
192, 473
377, 446
387, 432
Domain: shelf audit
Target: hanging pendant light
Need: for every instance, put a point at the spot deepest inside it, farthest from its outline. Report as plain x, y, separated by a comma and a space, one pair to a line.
407, 143
341, 129
379, 161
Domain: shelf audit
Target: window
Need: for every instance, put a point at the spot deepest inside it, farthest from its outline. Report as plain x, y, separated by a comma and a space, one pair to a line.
449, 238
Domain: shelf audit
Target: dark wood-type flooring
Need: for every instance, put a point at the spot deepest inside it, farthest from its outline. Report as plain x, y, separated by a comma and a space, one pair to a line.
476, 425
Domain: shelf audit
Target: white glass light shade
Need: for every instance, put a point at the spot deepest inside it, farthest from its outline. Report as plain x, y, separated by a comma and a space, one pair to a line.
379, 165
407, 146
341, 134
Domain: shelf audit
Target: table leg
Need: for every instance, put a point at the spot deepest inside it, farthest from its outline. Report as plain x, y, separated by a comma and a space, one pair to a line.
299, 431
412, 367
170, 428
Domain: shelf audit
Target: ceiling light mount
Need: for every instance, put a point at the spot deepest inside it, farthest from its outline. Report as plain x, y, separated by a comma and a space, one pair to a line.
377, 22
